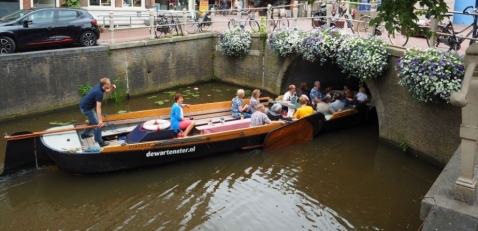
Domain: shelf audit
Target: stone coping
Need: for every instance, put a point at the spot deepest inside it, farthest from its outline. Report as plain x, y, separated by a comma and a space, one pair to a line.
440, 208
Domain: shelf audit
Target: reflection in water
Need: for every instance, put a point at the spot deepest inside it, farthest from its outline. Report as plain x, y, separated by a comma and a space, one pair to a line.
343, 180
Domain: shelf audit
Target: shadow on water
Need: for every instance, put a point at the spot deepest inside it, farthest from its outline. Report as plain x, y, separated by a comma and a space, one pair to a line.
343, 180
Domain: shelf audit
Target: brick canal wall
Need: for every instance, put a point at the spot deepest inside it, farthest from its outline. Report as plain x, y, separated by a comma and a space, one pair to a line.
42, 81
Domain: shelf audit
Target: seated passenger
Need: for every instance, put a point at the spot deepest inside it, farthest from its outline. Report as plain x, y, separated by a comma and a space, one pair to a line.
328, 92
254, 100
362, 95
178, 122
287, 97
324, 107
337, 103
275, 114
304, 109
259, 118
349, 99
238, 107
315, 93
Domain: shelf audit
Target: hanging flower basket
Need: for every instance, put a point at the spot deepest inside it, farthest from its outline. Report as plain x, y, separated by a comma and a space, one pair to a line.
431, 75
363, 58
286, 41
235, 42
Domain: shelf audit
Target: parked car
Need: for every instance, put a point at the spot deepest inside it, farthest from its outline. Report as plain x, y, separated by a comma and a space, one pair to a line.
30, 28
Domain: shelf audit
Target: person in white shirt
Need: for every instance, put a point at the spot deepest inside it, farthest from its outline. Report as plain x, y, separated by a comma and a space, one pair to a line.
286, 99
362, 95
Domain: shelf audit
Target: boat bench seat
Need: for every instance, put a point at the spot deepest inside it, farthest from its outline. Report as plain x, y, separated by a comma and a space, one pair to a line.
343, 113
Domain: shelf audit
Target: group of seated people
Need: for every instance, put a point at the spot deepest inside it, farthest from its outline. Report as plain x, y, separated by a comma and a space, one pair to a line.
310, 102
328, 103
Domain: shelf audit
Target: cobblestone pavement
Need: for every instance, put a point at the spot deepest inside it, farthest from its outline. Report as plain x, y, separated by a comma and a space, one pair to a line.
220, 25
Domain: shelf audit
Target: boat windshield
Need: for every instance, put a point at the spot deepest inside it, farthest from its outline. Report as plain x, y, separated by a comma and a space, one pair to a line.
15, 15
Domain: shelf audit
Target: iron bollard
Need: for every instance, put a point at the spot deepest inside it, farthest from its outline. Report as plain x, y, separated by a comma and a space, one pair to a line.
433, 29
329, 13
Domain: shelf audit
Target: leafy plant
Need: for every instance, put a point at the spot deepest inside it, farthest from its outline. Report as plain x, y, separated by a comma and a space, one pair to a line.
72, 3
363, 58
235, 42
431, 74
84, 89
403, 144
286, 41
120, 93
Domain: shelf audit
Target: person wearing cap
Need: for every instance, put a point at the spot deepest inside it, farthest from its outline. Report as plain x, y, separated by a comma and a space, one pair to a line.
275, 114
259, 118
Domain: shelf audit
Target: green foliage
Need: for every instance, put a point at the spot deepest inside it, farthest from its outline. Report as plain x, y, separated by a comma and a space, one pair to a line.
57, 123
119, 94
403, 144
72, 3
263, 35
109, 52
84, 89
401, 15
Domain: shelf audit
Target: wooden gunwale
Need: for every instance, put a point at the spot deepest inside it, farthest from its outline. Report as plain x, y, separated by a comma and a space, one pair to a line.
213, 137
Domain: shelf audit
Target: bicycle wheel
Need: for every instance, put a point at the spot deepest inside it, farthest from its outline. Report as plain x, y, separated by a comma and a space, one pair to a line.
398, 38
317, 21
349, 22
254, 25
205, 25
232, 23
173, 26
440, 38
192, 26
363, 27
284, 22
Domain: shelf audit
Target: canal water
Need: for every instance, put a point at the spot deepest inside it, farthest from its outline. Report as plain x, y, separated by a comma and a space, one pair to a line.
344, 180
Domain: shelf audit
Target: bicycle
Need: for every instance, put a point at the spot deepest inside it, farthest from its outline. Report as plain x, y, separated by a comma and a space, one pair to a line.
449, 36
319, 16
281, 21
396, 38
250, 20
333, 24
166, 24
193, 24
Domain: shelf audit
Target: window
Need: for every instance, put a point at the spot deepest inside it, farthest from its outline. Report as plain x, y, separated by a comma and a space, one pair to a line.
100, 2
43, 16
65, 15
44, 3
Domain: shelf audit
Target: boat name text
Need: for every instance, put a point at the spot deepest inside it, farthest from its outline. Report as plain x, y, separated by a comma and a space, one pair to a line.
171, 152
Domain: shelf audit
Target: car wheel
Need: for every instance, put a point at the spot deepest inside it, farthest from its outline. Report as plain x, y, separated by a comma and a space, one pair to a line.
88, 38
7, 45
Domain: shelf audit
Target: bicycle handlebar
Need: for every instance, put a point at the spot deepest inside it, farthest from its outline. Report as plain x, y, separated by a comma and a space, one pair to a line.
474, 10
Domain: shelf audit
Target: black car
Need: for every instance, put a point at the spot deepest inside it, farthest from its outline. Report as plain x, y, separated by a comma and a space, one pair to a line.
52, 26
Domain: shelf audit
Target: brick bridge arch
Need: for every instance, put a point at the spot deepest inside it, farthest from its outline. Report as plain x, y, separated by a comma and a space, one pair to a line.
296, 70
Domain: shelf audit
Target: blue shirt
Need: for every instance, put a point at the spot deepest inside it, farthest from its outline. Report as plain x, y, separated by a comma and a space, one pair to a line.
176, 116
315, 93
236, 102
337, 104
88, 101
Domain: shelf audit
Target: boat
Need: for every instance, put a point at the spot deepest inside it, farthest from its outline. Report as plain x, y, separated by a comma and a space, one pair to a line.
132, 146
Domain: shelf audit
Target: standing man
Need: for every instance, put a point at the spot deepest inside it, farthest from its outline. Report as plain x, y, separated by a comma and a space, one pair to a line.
88, 104
315, 94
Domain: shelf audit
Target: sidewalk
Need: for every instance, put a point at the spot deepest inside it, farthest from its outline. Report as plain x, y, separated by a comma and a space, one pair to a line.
220, 25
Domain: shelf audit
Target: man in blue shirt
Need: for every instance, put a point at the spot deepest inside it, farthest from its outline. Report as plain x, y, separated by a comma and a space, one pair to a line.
88, 104
315, 94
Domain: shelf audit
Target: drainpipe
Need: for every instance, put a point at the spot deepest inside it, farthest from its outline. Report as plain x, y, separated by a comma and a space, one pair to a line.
465, 185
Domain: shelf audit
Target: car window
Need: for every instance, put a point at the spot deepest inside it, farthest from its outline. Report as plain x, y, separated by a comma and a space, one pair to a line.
65, 15
44, 16
14, 15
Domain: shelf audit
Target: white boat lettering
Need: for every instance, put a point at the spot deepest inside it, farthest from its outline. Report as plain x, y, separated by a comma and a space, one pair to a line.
171, 152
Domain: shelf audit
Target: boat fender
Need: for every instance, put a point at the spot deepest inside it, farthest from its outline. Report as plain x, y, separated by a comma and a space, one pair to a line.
156, 125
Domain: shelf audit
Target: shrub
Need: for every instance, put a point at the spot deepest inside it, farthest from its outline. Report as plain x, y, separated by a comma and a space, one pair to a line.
431, 74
